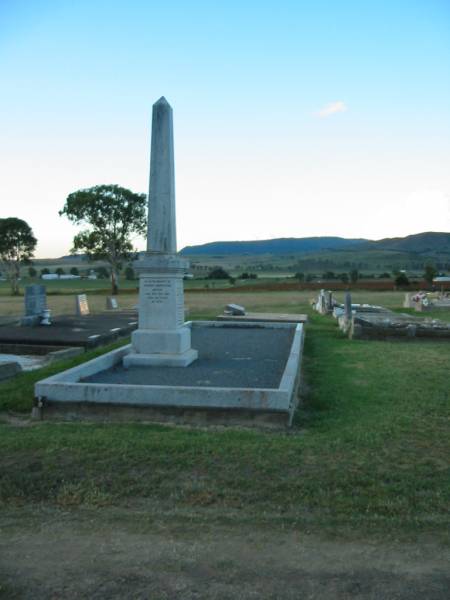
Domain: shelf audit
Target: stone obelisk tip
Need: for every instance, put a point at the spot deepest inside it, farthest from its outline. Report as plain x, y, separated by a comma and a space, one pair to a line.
162, 101
161, 234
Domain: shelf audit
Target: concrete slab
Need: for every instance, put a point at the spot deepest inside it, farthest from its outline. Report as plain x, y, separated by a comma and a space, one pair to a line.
241, 367
265, 318
9, 321
9, 368
26, 362
397, 326
88, 331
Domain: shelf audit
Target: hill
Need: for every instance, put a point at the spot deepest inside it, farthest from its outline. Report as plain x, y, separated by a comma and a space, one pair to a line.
280, 246
429, 243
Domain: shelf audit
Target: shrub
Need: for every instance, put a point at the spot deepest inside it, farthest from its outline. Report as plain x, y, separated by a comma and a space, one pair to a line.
401, 280
218, 273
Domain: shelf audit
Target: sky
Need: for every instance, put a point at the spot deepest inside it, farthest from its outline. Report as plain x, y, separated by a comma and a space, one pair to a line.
291, 118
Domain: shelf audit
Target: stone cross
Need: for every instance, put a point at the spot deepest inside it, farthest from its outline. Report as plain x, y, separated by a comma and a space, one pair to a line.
162, 338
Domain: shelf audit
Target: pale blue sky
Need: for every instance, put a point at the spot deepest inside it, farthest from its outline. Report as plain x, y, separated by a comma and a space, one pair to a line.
258, 154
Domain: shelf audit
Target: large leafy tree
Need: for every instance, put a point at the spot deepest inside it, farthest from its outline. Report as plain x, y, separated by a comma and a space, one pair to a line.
113, 215
430, 273
17, 244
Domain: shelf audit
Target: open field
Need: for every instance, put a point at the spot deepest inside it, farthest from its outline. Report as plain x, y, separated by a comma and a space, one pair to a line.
208, 304
352, 502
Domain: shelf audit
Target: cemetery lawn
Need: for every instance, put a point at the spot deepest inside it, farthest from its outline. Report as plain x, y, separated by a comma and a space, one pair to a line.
368, 454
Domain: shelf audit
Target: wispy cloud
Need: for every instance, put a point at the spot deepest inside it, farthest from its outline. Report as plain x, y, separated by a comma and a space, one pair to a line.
331, 109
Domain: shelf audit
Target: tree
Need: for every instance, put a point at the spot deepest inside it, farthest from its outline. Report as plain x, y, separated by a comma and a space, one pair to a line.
102, 272
430, 273
17, 244
354, 275
32, 272
45, 271
401, 280
343, 277
328, 275
113, 215
129, 273
59, 271
218, 273
74, 271
300, 276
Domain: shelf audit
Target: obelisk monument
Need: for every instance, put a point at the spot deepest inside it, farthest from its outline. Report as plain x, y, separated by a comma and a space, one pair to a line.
162, 338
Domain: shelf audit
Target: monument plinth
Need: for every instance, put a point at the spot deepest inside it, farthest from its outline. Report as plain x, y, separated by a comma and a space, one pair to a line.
162, 338
246, 371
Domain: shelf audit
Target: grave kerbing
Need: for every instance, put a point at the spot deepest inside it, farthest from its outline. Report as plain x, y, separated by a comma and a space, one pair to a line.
162, 338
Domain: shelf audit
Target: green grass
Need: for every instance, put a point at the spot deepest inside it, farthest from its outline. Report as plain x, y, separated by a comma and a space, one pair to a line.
369, 450
17, 394
70, 286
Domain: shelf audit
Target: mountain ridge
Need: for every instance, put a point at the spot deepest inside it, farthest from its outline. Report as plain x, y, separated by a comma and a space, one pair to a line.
420, 243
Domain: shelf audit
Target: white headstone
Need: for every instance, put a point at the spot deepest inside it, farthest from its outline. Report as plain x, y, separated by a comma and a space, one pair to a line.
81, 305
111, 303
162, 338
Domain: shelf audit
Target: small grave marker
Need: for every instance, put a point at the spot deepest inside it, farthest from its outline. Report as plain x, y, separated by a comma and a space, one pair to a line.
234, 309
35, 304
348, 306
111, 303
81, 305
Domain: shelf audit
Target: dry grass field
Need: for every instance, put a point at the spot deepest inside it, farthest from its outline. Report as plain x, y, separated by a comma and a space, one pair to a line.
206, 303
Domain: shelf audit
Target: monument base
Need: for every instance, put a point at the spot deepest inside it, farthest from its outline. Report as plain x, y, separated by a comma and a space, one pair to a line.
155, 348
154, 341
160, 360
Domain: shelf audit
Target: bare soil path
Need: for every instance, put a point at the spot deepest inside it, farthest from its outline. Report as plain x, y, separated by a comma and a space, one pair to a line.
71, 555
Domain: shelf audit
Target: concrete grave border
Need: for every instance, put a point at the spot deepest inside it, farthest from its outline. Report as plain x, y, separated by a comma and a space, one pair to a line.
66, 388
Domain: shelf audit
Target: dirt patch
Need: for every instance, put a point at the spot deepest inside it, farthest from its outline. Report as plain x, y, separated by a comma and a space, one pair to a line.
68, 555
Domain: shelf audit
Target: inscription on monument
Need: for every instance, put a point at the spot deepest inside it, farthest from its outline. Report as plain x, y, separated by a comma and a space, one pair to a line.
179, 302
157, 291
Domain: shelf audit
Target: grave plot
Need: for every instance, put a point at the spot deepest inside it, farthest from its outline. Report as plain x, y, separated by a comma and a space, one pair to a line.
204, 370
235, 312
86, 332
394, 325
366, 321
